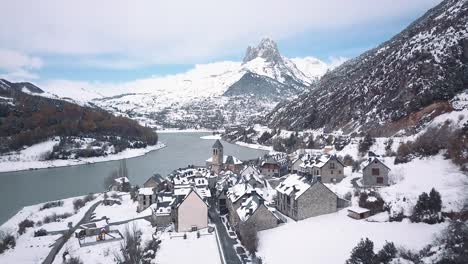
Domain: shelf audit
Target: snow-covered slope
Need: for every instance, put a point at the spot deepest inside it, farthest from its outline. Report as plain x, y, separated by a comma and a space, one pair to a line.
398, 85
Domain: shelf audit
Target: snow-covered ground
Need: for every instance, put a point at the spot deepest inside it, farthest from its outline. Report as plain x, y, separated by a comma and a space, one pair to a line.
30, 249
330, 238
31, 157
211, 137
122, 212
255, 146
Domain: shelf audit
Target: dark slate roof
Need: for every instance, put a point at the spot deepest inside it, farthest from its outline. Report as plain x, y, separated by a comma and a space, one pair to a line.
229, 160
218, 144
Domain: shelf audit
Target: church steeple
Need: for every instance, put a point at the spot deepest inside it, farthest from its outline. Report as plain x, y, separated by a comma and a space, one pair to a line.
217, 156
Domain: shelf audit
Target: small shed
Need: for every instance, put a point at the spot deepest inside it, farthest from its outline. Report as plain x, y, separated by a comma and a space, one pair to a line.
358, 212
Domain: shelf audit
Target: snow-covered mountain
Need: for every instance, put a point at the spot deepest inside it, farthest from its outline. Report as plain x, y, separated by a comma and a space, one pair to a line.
209, 95
401, 84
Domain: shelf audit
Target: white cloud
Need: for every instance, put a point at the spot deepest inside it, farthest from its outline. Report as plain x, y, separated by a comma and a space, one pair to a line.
159, 32
18, 66
336, 61
13, 60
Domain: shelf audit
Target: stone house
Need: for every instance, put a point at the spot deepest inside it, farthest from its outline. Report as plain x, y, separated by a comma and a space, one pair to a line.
301, 198
146, 197
270, 168
325, 168
121, 184
254, 211
375, 172
156, 181
190, 213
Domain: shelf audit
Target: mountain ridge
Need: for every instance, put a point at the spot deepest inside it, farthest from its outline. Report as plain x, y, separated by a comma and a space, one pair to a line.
418, 68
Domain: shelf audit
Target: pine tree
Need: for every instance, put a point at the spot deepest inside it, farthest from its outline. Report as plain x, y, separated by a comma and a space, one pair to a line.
387, 253
363, 253
435, 202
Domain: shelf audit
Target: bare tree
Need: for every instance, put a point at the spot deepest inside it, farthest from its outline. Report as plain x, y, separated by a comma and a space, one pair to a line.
130, 249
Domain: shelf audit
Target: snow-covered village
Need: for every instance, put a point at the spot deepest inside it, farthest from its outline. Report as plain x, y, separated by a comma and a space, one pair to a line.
264, 132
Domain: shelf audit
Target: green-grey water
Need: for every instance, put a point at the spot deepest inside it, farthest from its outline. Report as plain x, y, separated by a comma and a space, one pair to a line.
18, 189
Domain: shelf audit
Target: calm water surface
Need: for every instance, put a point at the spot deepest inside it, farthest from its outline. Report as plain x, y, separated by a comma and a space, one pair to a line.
18, 189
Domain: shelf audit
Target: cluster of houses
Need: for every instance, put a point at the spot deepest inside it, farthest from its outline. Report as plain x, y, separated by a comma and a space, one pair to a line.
247, 193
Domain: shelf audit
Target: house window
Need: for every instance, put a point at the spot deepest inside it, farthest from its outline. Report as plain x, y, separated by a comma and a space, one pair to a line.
331, 172
380, 180
375, 172
288, 200
332, 165
339, 172
144, 201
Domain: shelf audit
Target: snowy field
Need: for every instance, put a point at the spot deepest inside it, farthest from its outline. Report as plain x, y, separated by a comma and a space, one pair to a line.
30, 157
211, 137
330, 238
30, 249
123, 212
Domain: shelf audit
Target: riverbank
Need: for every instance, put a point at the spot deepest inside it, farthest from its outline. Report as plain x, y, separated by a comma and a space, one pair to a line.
32, 158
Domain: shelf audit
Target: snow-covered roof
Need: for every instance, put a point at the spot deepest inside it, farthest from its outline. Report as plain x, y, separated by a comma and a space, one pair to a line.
293, 184
146, 191
248, 170
269, 160
231, 159
248, 207
358, 210
121, 180
97, 224
373, 159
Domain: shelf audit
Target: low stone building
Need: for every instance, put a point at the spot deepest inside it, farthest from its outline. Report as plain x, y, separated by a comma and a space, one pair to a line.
375, 172
299, 198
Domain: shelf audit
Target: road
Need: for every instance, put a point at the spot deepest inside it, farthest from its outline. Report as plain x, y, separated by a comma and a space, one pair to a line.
226, 241
62, 240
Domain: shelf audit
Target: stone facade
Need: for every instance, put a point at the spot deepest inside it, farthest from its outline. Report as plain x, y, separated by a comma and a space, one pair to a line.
375, 173
332, 171
316, 200
191, 213
146, 199
217, 157
262, 219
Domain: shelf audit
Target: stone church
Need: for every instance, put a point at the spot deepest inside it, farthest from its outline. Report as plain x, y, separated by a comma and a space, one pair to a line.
219, 161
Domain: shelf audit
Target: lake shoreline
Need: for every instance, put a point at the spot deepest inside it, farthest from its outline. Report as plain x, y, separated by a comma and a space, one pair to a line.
16, 166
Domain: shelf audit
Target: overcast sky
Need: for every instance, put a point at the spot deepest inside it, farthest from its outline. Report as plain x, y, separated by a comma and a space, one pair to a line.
116, 40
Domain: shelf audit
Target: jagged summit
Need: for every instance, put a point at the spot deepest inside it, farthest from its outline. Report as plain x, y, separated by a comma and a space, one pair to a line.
266, 49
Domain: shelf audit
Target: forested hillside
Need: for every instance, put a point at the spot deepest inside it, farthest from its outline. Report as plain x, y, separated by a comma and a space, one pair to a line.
26, 119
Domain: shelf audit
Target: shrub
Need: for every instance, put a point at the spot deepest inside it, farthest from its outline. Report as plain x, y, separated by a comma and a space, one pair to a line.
7, 241
356, 166
40, 232
371, 201
427, 208
74, 260
348, 160
51, 205
348, 196
89, 198
151, 248
363, 253
365, 144
55, 217
78, 203
264, 137
455, 242
23, 225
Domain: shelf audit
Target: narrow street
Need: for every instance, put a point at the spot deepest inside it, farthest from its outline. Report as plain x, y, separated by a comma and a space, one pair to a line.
226, 241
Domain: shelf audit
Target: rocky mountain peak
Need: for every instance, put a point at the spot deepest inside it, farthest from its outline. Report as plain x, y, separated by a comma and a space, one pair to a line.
266, 49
